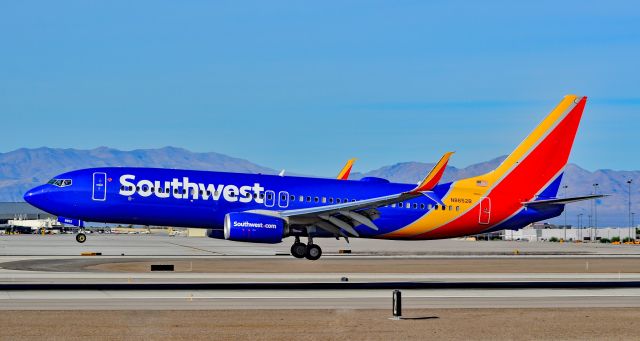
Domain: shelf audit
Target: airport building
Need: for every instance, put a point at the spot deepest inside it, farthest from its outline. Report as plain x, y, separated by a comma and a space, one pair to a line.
24, 218
544, 232
20, 210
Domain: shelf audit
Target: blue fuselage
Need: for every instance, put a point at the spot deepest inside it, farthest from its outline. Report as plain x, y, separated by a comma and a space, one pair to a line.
201, 199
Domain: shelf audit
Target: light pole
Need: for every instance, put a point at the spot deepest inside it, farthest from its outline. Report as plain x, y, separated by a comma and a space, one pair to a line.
580, 224
565, 213
630, 222
595, 213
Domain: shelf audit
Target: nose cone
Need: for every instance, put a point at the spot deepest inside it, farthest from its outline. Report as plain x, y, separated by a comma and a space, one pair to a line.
36, 196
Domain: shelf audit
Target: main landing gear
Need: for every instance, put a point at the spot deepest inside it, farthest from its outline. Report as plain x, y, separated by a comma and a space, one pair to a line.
81, 237
309, 251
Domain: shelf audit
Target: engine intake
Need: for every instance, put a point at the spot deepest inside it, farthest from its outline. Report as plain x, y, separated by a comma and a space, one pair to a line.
254, 228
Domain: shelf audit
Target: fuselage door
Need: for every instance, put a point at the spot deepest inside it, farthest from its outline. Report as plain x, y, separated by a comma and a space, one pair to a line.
485, 211
269, 198
283, 199
99, 186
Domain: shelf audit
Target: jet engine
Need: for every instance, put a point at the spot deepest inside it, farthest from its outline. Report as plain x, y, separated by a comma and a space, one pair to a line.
254, 228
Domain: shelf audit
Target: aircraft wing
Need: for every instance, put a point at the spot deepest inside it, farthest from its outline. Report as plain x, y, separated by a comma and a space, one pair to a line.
349, 206
345, 216
562, 201
338, 217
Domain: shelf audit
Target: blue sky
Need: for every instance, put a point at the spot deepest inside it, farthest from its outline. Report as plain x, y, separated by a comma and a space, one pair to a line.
306, 85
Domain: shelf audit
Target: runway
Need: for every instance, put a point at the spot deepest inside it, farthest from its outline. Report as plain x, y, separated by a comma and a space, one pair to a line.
314, 299
162, 245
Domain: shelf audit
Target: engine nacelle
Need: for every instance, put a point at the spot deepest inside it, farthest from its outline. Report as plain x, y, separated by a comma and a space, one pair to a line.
254, 228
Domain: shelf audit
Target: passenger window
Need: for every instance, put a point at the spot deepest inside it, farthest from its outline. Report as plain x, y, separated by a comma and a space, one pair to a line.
283, 197
268, 196
324, 200
316, 199
422, 206
393, 205
415, 205
301, 198
338, 200
331, 200
353, 200
400, 204
292, 198
457, 208
308, 199
450, 208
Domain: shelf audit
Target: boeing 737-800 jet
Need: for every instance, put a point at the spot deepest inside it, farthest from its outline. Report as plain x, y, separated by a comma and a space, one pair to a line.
268, 208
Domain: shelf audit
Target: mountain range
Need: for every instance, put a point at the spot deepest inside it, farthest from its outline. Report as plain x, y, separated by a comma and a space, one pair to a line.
25, 168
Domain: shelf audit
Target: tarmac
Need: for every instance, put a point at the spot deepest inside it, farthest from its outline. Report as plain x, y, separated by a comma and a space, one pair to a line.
162, 245
316, 299
452, 289
47, 273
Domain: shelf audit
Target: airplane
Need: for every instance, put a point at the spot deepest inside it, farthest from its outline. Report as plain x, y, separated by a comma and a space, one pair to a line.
262, 208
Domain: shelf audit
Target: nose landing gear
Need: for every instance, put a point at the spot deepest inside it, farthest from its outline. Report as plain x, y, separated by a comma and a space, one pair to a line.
309, 251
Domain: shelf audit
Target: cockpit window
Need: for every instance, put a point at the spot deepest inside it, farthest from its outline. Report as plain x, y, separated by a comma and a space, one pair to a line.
60, 182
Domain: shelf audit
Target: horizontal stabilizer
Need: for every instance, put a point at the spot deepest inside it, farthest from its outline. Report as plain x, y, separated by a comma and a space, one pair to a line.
562, 201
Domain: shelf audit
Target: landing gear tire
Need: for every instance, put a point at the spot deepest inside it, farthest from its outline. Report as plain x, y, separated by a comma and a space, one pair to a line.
298, 250
314, 252
81, 237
